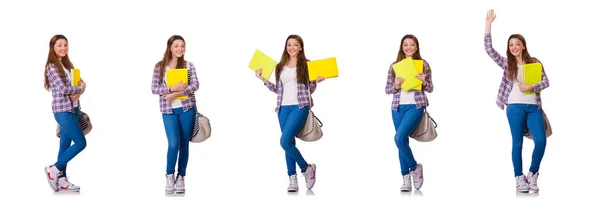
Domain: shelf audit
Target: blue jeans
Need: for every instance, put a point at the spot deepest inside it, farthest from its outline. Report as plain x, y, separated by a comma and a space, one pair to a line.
406, 119
179, 127
70, 131
291, 120
519, 116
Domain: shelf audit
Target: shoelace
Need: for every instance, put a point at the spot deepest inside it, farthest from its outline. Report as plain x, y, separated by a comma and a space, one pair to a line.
406, 180
523, 181
68, 182
169, 182
179, 182
533, 180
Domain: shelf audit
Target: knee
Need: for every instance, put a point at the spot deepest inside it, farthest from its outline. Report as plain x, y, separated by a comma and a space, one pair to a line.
540, 142
82, 144
517, 144
401, 139
173, 146
286, 144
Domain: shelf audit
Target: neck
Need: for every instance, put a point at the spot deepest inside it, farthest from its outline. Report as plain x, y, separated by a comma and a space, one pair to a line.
173, 61
60, 59
293, 60
520, 60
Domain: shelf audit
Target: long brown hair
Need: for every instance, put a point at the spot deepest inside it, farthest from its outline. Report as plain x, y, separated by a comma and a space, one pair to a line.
512, 60
53, 59
401, 55
301, 63
167, 58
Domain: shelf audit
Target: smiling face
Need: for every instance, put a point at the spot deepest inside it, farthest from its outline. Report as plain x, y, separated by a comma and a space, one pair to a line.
516, 47
177, 49
61, 48
293, 47
409, 47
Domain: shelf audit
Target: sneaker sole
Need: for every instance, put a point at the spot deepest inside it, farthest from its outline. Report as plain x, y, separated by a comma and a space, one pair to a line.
405, 190
48, 179
292, 190
179, 192
67, 190
314, 176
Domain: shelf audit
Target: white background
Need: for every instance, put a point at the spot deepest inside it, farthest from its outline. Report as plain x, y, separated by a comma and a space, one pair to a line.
117, 43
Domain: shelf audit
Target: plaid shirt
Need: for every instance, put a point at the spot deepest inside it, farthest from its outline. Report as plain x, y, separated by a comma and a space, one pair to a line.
420, 98
61, 102
506, 84
303, 94
162, 89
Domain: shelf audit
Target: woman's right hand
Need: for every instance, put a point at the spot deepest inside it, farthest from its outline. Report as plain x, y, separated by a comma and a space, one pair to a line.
82, 84
488, 21
179, 87
259, 75
398, 82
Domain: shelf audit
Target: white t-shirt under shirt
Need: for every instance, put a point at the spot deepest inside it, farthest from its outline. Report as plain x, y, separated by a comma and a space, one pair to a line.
407, 97
68, 73
176, 103
290, 86
516, 96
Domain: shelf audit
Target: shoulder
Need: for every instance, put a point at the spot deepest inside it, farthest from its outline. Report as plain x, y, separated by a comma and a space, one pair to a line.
426, 65
190, 64
535, 59
51, 66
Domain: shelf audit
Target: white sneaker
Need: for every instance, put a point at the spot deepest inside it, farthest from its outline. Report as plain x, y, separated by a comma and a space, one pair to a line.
522, 184
170, 187
310, 175
52, 174
65, 185
293, 187
417, 176
532, 181
407, 183
180, 184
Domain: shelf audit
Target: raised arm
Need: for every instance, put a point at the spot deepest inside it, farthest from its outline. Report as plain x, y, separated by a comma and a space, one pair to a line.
272, 87
499, 59
313, 86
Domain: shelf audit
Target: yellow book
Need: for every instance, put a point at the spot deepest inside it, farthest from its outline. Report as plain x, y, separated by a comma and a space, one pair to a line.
419, 66
532, 74
75, 77
324, 67
407, 70
175, 76
261, 60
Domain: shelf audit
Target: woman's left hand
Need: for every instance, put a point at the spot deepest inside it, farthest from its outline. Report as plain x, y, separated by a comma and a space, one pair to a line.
525, 88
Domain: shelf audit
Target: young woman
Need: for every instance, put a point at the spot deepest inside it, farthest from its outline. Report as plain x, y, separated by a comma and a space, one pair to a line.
522, 110
407, 109
178, 115
65, 106
291, 76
